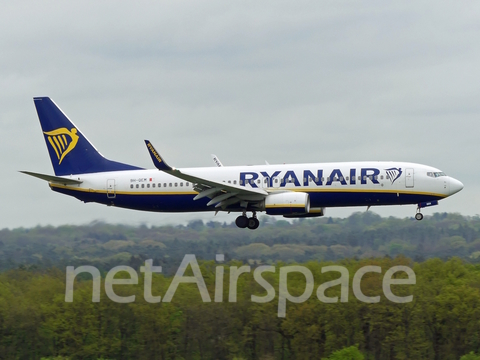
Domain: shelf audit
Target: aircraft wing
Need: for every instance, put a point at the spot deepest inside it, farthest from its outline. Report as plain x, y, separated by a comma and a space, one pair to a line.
220, 193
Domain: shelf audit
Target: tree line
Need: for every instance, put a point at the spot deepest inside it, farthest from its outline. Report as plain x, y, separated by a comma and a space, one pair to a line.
361, 235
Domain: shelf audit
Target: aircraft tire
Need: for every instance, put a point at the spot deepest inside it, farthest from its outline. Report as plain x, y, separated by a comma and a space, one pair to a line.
242, 222
253, 223
419, 216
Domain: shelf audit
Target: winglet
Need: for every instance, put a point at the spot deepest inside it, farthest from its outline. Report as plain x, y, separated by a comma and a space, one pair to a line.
216, 160
159, 163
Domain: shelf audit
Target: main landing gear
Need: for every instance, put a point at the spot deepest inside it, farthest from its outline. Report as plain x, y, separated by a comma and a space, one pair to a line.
243, 221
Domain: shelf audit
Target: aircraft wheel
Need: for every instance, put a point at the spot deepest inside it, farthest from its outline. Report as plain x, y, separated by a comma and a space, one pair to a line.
419, 216
253, 223
242, 221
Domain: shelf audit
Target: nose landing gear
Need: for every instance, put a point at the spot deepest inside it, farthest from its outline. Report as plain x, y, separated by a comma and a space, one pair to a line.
419, 215
243, 221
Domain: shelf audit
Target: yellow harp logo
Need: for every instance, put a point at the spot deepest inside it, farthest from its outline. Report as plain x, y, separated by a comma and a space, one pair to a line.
63, 141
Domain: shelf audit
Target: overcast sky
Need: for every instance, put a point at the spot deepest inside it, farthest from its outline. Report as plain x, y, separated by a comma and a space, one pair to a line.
287, 82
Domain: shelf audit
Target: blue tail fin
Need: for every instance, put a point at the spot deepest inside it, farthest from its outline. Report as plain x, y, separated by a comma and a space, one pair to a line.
70, 151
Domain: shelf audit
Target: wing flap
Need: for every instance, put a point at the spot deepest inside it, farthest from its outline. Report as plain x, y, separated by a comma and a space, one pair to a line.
220, 198
208, 192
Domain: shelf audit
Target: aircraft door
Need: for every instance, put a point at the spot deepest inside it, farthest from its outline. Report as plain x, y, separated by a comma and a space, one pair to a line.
409, 178
111, 188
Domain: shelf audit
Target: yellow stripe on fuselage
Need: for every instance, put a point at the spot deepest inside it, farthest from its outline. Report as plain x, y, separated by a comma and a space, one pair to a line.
99, 191
191, 192
404, 192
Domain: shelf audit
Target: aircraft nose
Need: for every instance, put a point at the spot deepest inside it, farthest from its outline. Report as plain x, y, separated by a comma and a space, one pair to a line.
455, 186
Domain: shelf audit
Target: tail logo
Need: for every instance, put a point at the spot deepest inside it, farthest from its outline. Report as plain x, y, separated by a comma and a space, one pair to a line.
394, 173
62, 141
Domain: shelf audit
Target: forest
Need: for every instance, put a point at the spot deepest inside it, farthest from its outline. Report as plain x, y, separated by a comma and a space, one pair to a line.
441, 322
361, 235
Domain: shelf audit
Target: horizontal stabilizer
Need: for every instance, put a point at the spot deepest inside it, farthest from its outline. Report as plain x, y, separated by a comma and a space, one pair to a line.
55, 179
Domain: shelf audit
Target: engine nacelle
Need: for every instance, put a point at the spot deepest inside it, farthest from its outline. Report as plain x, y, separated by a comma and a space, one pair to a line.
287, 203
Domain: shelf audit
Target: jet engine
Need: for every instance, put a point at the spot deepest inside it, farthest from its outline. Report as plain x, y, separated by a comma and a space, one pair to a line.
287, 203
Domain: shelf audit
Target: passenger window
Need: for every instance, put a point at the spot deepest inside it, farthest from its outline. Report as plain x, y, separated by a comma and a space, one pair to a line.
153, 185
381, 177
376, 177
148, 185
170, 185
235, 182
131, 186
176, 184
181, 184
347, 178
186, 184
328, 178
159, 185
136, 186
241, 182
164, 184
143, 186
341, 178
359, 178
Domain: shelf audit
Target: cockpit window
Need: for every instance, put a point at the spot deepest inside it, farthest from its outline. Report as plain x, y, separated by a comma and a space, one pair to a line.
436, 174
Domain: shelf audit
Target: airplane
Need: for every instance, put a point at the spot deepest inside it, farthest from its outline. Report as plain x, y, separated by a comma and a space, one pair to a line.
289, 190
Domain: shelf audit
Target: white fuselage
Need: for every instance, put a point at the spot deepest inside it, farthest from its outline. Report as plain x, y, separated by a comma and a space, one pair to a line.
328, 185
